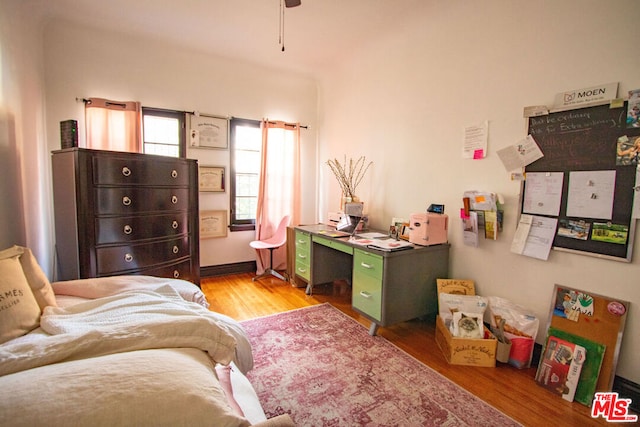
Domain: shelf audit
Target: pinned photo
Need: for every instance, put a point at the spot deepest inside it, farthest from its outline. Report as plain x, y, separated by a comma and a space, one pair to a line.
628, 151
574, 229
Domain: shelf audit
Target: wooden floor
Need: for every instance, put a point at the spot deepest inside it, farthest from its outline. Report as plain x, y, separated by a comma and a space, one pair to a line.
512, 391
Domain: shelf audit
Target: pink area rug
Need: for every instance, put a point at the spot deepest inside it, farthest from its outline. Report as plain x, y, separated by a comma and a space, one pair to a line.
324, 369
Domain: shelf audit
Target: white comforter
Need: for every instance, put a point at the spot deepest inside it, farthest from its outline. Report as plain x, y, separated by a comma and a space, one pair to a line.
134, 320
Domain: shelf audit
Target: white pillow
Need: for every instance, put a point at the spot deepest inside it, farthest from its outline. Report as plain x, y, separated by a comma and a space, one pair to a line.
19, 310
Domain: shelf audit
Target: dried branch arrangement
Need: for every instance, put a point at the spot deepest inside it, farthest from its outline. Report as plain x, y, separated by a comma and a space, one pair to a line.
349, 174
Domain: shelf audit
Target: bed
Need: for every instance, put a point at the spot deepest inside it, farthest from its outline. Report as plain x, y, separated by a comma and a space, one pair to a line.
121, 350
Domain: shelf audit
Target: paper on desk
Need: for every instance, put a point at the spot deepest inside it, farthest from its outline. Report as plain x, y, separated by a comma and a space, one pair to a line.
534, 236
517, 156
371, 235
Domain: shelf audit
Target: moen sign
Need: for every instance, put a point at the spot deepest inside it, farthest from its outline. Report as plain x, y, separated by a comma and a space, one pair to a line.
586, 96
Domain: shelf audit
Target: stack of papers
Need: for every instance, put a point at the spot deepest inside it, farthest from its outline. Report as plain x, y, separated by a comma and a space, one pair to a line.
390, 245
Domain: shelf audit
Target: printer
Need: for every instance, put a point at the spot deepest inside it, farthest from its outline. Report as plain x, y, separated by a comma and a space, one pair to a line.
333, 218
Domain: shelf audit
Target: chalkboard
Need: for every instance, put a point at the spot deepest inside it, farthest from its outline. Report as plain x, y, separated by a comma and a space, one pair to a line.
587, 139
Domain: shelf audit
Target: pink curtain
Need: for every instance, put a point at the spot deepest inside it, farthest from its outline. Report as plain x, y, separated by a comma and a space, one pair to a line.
113, 125
279, 187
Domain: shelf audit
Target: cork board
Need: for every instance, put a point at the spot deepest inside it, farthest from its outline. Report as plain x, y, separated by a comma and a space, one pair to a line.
594, 317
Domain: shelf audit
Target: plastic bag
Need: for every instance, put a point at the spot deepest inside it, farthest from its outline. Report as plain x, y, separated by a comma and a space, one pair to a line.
521, 327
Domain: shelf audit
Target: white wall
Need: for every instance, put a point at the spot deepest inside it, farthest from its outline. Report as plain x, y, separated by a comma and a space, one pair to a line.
25, 217
405, 100
82, 62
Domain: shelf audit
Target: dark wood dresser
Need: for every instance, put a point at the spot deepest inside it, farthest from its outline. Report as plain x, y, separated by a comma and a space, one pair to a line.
125, 213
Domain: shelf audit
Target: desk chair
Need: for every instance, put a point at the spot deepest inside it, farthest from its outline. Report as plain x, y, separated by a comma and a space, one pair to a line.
274, 242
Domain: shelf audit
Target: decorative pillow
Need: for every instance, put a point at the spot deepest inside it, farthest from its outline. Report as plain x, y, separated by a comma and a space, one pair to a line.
19, 310
38, 281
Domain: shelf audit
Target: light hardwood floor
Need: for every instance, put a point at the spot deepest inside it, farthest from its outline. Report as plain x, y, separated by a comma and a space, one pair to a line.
511, 390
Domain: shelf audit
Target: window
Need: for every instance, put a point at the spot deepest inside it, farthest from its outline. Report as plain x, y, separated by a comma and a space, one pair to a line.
245, 147
163, 132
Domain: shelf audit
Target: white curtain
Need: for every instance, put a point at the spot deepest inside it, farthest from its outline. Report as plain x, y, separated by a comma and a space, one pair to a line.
279, 188
113, 125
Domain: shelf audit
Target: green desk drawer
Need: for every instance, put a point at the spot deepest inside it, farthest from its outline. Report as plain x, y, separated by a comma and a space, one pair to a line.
334, 244
303, 243
367, 294
367, 263
303, 255
303, 270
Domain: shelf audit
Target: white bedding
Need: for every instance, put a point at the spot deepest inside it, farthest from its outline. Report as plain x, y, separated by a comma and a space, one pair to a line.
143, 357
132, 320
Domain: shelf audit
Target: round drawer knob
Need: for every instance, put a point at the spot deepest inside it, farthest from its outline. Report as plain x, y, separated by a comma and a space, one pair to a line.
176, 274
126, 171
126, 200
175, 249
174, 173
174, 225
174, 199
127, 229
128, 257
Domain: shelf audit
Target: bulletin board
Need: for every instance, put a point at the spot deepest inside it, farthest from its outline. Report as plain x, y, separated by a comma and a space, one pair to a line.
582, 144
595, 317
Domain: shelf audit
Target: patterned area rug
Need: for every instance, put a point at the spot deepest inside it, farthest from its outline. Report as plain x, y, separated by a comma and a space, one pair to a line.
324, 369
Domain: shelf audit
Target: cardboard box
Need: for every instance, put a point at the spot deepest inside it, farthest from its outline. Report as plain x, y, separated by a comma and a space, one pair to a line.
466, 351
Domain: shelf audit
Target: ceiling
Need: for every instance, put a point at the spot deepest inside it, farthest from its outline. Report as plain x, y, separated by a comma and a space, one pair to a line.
317, 34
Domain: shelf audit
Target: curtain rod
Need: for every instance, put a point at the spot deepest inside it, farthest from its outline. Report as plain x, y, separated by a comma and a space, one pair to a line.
290, 124
197, 113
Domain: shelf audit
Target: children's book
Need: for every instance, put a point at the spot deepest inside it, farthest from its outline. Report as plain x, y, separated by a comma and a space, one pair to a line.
560, 366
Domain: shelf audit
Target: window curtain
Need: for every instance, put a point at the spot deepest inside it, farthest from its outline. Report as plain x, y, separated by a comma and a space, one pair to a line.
113, 125
279, 186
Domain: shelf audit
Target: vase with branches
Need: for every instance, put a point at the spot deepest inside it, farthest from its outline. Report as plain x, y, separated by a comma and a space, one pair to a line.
349, 174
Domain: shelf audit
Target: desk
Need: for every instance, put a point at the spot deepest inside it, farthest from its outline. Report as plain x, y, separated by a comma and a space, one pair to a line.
387, 287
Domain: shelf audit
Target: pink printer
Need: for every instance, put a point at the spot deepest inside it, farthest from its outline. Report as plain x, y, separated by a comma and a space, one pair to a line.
428, 229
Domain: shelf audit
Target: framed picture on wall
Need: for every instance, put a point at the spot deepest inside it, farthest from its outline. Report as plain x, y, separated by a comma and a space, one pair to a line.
211, 178
213, 223
208, 131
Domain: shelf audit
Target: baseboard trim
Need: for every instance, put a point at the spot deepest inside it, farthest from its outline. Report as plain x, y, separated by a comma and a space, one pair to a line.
628, 390
224, 269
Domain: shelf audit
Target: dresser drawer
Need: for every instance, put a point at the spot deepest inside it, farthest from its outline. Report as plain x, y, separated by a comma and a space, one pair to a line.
132, 171
134, 257
367, 294
181, 270
368, 263
132, 228
125, 201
